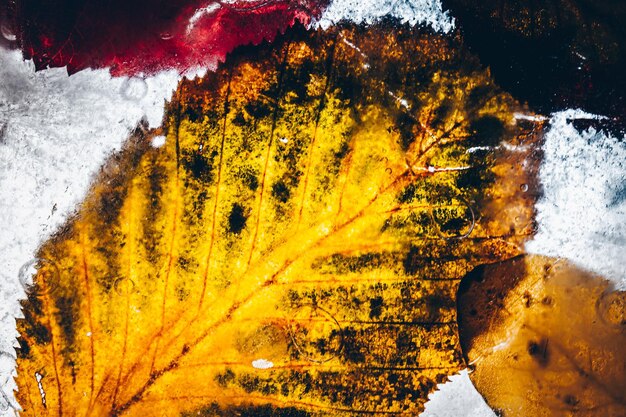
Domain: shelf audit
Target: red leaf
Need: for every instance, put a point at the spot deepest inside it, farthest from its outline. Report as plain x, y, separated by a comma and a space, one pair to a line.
145, 36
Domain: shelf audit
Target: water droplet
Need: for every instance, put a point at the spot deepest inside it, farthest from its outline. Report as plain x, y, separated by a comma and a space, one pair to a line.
7, 33
134, 88
284, 140
523, 187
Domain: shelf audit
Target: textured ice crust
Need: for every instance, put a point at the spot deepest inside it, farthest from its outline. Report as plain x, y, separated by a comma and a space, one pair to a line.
413, 12
55, 132
457, 398
582, 213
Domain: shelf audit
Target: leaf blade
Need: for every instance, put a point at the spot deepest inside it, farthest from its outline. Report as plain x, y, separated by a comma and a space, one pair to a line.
302, 212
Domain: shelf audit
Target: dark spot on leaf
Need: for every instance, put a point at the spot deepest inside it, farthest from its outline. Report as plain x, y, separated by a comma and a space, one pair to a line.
405, 124
239, 119
247, 410
280, 191
237, 219
24, 349
376, 307
200, 166
539, 351
225, 378
258, 109
351, 348
68, 313
528, 300
342, 152
33, 310
40, 333
571, 400
441, 114
110, 204
478, 96
348, 87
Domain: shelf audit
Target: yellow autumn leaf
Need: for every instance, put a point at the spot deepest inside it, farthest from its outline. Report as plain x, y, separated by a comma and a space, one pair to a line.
544, 338
296, 245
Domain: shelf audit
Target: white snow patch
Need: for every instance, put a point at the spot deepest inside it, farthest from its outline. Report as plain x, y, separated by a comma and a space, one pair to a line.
55, 132
262, 364
413, 12
455, 398
582, 213
158, 141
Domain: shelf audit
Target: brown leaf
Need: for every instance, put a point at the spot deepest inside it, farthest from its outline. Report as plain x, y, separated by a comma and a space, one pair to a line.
544, 338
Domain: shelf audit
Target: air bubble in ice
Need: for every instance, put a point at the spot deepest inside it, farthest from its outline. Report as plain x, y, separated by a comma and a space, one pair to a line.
48, 272
27, 272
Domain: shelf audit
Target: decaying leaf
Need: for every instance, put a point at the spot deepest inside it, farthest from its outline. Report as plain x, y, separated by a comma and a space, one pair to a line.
138, 37
544, 338
295, 247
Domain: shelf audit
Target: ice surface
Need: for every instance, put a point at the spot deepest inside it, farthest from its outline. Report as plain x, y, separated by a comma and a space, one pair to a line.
457, 398
582, 214
55, 132
425, 12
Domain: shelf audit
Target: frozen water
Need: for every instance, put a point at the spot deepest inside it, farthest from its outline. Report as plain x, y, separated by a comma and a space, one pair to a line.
55, 132
456, 398
582, 213
413, 12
